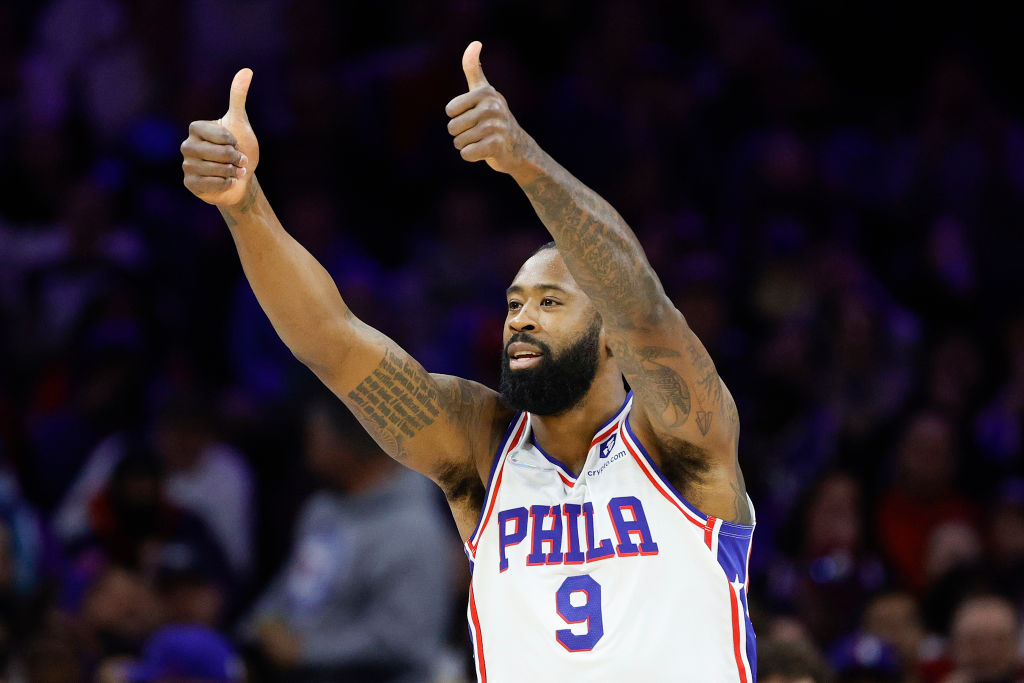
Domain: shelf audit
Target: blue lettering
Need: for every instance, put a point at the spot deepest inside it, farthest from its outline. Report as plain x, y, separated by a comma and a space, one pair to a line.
506, 539
605, 549
540, 535
625, 528
572, 528
632, 533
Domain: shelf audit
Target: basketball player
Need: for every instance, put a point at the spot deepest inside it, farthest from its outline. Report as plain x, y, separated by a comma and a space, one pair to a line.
608, 530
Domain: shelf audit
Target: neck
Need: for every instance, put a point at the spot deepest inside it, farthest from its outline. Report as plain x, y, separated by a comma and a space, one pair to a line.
567, 436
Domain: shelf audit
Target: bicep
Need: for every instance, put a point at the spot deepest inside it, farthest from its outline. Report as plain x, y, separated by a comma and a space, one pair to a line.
433, 424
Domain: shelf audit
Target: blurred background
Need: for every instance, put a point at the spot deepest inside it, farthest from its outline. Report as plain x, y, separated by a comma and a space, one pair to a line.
832, 193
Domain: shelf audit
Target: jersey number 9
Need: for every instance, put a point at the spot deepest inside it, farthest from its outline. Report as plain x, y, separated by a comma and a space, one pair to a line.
588, 610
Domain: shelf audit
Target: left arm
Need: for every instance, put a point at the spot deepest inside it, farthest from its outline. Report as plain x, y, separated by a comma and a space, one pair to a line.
685, 414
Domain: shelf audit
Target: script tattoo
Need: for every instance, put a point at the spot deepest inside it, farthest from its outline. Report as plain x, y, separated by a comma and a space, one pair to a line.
395, 402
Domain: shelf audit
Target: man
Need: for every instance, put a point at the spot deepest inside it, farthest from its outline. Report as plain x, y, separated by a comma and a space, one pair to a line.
346, 606
638, 520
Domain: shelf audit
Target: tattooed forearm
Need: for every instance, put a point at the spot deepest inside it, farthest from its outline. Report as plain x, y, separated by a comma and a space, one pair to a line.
599, 249
395, 402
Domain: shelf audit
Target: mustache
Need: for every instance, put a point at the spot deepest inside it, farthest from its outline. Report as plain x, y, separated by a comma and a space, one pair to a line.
527, 339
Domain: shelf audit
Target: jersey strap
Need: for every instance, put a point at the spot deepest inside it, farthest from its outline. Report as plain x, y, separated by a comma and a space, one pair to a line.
508, 443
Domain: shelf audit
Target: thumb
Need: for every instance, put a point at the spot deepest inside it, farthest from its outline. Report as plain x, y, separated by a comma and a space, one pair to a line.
239, 90
471, 66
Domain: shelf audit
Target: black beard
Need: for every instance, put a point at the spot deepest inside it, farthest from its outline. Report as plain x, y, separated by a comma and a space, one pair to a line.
557, 383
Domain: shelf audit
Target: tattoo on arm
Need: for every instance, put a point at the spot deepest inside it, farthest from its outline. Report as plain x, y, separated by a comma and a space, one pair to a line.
662, 385
395, 402
598, 247
244, 207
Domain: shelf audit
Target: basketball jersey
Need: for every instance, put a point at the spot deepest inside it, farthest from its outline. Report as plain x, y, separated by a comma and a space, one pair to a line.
607, 576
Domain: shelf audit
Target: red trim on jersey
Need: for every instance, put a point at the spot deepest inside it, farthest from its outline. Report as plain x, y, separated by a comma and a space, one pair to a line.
709, 532
735, 608
481, 669
662, 491
566, 480
494, 491
604, 435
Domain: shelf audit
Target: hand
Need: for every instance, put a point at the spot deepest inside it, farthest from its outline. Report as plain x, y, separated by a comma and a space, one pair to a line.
221, 156
482, 124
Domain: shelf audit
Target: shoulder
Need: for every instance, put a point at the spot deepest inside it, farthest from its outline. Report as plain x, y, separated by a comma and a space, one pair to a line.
478, 412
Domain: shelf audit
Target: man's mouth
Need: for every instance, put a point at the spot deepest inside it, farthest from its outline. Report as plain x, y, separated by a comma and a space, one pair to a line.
522, 355
523, 360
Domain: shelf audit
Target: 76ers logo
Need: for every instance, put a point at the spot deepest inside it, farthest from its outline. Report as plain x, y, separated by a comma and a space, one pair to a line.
608, 446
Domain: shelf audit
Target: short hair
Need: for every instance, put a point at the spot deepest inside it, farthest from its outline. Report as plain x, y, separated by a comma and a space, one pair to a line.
543, 247
791, 660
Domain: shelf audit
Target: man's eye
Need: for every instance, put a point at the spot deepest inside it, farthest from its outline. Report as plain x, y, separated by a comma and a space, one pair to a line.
548, 302
513, 305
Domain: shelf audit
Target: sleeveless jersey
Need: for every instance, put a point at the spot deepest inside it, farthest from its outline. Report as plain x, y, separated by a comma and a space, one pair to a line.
608, 576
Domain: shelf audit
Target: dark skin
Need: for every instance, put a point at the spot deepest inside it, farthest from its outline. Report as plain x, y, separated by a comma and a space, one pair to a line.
449, 428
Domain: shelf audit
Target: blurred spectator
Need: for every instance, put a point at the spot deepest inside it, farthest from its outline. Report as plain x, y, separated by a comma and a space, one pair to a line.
207, 477
923, 496
790, 662
895, 618
985, 642
347, 606
834, 569
131, 522
119, 612
202, 475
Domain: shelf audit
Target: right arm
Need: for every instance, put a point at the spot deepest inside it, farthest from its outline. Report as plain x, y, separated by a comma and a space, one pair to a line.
443, 427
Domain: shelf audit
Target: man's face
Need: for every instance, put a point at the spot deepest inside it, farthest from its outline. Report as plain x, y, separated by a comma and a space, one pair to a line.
552, 339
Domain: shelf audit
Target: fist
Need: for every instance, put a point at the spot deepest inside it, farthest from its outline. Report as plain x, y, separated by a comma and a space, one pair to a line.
220, 156
481, 123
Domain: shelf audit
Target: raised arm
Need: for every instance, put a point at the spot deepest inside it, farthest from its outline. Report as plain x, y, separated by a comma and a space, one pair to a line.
441, 426
684, 412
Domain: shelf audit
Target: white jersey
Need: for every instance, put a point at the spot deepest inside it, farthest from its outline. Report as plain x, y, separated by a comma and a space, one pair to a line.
608, 576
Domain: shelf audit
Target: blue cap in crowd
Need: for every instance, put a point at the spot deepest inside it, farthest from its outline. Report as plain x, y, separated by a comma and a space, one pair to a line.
190, 652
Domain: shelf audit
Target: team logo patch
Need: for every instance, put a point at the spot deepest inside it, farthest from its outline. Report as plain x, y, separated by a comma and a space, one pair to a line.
608, 445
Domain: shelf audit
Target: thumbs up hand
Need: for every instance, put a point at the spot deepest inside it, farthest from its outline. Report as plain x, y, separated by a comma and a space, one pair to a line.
220, 156
481, 123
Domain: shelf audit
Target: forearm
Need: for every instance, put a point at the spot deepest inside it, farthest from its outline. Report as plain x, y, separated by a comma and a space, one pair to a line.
599, 248
298, 295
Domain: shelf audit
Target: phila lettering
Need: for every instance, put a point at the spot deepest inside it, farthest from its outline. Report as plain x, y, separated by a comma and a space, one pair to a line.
554, 533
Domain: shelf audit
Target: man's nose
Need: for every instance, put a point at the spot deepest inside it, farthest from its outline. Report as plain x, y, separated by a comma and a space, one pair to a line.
524, 320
